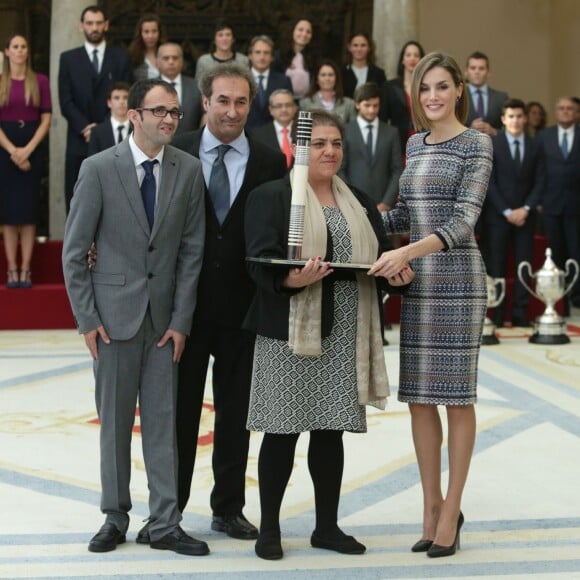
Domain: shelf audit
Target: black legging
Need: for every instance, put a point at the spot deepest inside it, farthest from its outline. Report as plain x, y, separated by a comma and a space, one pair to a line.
325, 463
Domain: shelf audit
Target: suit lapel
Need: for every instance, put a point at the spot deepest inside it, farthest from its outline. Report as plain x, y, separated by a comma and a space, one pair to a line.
128, 177
166, 187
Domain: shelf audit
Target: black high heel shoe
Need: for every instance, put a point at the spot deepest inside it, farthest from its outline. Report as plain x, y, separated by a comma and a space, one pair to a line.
421, 545
437, 551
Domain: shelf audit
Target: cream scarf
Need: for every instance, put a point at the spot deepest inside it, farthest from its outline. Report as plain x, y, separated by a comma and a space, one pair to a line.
305, 321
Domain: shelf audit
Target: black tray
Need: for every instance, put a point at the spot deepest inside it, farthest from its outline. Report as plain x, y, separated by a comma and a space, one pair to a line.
299, 263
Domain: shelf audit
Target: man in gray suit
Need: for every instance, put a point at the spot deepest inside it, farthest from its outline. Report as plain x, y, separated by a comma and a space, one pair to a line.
142, 204
170, 65
372, 153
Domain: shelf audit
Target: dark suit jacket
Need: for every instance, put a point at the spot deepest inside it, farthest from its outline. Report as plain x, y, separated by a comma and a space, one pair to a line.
394, 110
190, 105
83, 93
509, 188
374, 75
495, 102
266, 134
379, 177
562, 185
102, 137
267, 220
259, 114
225, 289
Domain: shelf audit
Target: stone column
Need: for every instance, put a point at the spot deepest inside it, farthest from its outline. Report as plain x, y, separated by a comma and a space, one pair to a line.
394, 23
65, 34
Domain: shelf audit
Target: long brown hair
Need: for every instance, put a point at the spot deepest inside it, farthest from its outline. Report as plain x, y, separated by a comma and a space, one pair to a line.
31, 90
338, 90
137, 47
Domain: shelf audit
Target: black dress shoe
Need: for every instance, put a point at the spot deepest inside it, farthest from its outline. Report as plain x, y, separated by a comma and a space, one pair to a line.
178, 541
337, 541
269, 546
143, 534
421, 546
235, 526
106, 539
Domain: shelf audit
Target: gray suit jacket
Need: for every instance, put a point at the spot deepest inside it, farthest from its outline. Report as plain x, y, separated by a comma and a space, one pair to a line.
190, 105
379, 177
345, 109
136, 268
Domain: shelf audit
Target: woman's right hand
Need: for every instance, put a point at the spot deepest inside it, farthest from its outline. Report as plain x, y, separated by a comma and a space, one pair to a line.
314, 270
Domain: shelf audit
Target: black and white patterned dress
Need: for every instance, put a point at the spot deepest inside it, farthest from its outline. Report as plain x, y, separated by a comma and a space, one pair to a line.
293, 393
442, 191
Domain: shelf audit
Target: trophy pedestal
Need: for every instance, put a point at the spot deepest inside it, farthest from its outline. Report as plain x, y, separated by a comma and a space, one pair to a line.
488, 336
549, 329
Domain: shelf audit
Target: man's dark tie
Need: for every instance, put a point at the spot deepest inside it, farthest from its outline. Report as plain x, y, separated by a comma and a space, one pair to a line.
517, 155
120, 133
370, 142
219, 184
261, 91
96, 60
564, 146
479, 105
148, 188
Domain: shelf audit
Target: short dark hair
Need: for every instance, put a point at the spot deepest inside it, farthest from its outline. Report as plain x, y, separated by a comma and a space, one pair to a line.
478, 55
229, 70
366, 92
260, 38
118, 86
320, 117
93, 8
139, 91
514, 104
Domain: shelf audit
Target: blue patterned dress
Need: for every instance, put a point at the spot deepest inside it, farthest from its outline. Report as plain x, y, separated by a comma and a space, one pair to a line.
442, 191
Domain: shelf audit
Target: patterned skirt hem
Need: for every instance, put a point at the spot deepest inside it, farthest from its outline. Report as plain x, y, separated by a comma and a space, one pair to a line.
437, 401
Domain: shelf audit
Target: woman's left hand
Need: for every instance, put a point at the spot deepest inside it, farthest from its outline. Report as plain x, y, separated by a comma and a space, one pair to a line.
390, 263
404, 277
19, 156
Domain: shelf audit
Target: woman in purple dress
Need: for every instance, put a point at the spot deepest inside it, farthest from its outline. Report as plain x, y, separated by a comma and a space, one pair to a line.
25, 115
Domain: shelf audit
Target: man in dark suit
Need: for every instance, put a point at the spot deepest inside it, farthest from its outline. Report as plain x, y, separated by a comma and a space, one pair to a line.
515, 189
142, 203
170, 65
485, 103
233, 163
84, 76
117, 127
561, 196
261, 53
278, 133
371, 150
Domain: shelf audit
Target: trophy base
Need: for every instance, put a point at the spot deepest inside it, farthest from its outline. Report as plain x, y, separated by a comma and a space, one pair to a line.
549, 329
488, 336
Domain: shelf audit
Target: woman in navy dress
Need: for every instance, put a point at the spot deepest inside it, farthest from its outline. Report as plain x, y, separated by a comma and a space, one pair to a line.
441, 194
25, 115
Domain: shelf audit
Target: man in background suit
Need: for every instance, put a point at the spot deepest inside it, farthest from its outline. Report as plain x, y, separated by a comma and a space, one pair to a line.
371, 150
485, 103
278, 133
142, 203
234, 163
84, 76
515, 189
561, 196
117, 127
261, 54
170, 65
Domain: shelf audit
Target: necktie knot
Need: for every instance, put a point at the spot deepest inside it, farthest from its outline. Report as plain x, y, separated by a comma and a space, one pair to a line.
222, 150
148, 167
285, 130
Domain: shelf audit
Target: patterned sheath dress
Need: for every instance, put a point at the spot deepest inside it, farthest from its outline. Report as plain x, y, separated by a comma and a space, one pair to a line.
293, 393
442, 190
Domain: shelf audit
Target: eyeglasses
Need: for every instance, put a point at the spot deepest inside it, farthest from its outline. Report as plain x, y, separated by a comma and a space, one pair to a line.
163, 112
283, 106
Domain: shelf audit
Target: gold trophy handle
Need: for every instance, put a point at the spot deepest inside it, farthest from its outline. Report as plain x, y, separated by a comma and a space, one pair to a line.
527, 266
574, 263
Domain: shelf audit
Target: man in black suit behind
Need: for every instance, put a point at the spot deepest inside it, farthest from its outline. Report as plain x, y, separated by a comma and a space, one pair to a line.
561, 196
261, 53
84, 76
225, 292
515, 188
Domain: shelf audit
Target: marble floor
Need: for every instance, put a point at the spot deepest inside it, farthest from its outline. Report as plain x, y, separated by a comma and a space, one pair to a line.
522, 501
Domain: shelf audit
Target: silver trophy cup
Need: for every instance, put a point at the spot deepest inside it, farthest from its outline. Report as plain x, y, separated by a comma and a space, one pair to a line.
550, 284
495, 296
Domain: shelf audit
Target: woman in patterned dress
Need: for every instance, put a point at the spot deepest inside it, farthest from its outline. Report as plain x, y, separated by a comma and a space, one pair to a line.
319, 357
441, 193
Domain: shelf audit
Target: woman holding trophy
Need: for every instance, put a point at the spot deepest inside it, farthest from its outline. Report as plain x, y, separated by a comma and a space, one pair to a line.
319, 357
441, 194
